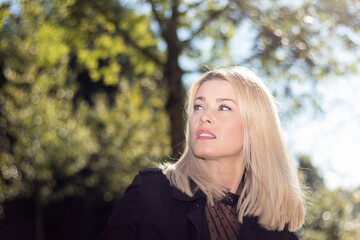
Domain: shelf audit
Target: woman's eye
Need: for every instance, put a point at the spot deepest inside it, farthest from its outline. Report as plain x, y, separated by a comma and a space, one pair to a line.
197, 107
224, 108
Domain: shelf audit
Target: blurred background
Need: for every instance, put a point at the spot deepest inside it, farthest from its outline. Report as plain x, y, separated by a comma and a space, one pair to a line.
93, 91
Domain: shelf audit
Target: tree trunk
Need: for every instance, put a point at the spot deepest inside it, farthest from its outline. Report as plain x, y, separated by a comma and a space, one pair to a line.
175, 107
173, 75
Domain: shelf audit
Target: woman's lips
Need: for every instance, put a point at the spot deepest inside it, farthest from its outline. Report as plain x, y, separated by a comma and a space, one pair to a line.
204, 134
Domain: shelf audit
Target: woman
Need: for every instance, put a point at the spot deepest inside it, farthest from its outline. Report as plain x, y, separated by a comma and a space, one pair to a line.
235, 179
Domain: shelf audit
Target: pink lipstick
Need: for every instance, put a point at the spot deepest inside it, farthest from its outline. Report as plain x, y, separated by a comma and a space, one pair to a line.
204, 134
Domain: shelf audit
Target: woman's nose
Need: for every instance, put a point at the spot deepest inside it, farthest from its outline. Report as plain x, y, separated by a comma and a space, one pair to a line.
206, 117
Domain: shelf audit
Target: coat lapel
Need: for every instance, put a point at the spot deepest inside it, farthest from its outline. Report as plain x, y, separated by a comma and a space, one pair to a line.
195, 217
196, 206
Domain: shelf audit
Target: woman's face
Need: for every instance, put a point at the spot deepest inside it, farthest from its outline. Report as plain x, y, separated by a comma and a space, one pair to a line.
216, 128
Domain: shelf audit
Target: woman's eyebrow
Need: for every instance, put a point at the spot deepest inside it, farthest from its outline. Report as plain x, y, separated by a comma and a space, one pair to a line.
200, 98
225, 99
217, 100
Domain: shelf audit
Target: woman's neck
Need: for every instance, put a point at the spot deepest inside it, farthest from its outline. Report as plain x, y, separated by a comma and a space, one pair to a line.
227, 173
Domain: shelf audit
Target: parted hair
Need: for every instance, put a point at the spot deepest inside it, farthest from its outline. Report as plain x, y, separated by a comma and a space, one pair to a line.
271, 190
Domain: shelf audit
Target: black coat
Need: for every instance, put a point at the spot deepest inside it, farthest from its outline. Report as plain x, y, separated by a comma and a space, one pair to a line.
152, 209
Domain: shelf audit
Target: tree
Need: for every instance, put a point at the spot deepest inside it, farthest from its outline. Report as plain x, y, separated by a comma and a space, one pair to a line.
69, 126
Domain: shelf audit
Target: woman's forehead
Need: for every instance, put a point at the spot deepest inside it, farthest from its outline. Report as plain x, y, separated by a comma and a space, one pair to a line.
216, 87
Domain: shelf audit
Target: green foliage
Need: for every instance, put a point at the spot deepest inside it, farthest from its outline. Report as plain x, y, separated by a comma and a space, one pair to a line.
309, 174
49, 139
131, 134
331, 214
54, 143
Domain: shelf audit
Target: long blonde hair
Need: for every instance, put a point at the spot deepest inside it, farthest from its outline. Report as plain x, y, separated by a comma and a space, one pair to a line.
271, 187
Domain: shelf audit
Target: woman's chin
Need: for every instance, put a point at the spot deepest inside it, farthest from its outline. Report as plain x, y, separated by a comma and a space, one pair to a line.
203, 154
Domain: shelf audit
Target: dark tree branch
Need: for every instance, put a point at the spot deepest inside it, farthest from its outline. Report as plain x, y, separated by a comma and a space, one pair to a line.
172, 25
157, 17
193, 5
197, 70
175, 10
126, 36
144, 51
211, 17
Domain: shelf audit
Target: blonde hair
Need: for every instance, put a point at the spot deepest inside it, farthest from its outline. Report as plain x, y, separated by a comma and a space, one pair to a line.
271, 187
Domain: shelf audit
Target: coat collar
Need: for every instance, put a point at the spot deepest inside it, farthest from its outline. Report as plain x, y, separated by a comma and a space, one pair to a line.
250, 229
179, 195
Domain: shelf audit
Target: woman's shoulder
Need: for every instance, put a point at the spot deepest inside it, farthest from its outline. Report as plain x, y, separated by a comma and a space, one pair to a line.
152, 178
152, 174
151, 171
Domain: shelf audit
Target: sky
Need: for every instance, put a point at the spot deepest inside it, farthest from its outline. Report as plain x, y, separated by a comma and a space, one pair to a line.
332, 138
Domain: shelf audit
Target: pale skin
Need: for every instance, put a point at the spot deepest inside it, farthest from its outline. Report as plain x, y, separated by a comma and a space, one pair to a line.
217, 132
